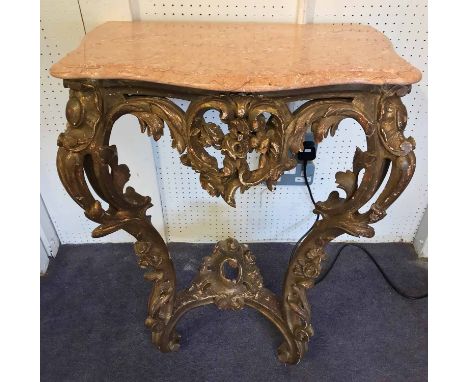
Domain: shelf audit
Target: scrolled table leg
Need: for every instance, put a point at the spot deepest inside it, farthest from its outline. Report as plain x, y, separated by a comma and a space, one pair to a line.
84, 155
382, 116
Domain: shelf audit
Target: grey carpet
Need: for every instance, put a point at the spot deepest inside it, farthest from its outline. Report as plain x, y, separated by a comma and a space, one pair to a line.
93, 307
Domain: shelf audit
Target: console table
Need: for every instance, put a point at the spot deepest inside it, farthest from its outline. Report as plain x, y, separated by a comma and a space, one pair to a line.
249, 73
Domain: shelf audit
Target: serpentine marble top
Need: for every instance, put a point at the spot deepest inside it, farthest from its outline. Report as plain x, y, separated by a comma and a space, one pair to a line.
240, 57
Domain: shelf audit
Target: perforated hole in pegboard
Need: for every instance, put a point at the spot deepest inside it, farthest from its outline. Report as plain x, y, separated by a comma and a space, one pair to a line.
224, 10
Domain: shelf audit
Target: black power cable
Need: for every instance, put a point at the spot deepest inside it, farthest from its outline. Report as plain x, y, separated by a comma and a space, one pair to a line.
369, 255
317, 215
340, 251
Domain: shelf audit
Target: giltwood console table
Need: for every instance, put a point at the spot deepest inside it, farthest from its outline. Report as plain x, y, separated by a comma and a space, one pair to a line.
244, 71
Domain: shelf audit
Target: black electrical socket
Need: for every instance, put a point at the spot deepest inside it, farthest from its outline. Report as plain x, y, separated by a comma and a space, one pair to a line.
309, 152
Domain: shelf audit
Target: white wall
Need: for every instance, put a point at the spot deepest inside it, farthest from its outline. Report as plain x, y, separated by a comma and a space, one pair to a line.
190, 214
49, 240
420, 242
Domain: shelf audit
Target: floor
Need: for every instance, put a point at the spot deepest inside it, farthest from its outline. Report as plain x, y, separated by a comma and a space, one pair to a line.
93, 307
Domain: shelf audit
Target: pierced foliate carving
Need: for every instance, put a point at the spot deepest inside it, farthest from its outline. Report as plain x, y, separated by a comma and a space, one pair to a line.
248, 131
212, 283
152, 113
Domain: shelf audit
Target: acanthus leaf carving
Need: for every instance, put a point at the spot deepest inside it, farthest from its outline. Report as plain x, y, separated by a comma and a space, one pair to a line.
326, 125
83, 113
152, 113
297, 129
248, 131
150, 123
362, 160
392, 122
274, 140
212, 283
210, 134
347, 181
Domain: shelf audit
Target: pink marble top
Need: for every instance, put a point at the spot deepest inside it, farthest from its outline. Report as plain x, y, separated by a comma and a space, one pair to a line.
242, 57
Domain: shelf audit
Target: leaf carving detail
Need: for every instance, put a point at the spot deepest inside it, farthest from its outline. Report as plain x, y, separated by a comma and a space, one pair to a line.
326, 125
150, 123
362, 160
347, 181
273, 138
211, 135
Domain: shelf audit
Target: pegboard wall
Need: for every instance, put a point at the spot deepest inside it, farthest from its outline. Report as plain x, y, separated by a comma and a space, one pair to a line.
263, 10
189, 213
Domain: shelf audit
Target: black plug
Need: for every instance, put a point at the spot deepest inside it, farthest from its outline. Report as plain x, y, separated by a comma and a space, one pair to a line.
309, 152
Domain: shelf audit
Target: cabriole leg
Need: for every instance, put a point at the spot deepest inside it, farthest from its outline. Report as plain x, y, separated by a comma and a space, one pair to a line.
84, 152
383, 119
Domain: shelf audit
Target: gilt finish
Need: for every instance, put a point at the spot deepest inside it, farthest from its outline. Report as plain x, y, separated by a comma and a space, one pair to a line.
85, 156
